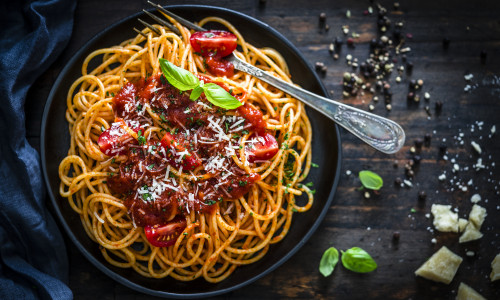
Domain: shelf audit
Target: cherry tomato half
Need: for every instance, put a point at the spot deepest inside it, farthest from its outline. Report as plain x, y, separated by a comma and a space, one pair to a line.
263, 147
112, 140
213, 42
188, 160
165, 235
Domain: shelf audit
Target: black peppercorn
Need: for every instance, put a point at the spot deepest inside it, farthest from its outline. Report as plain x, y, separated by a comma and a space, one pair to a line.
422, 195
395, 236
442, 149
416, 159
427, 139
446, 43
410, 96
418, 143
409, 67
413, 84
483, 56
439, 106
398, 181
322, 17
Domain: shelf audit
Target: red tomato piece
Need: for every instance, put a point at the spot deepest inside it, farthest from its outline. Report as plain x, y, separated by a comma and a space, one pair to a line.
165, 235
177, 154
262, 147
219, 67
213, 42
124, 100
254, 116
112, 141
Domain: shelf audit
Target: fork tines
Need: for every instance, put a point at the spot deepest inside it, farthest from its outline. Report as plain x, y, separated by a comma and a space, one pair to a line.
162, 22
176, 17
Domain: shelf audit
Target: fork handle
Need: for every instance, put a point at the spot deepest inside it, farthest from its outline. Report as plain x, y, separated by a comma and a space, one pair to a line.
381, 133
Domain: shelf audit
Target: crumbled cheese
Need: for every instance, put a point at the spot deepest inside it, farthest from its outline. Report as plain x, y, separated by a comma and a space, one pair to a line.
470, 253
465, 292
468, 77
444, 219
477, 215
495, 268
476, 219
462, 223
441, 266
476, 147
442, 177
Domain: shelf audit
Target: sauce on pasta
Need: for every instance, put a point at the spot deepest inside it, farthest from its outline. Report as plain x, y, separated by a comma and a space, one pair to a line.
172, 187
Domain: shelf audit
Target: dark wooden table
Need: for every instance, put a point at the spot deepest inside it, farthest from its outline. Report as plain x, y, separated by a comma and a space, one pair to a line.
353, 220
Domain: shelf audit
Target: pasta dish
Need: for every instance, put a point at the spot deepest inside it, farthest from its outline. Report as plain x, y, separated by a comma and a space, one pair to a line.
179, 165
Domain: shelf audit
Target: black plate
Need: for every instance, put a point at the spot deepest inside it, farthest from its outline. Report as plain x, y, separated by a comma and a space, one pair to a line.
326, 153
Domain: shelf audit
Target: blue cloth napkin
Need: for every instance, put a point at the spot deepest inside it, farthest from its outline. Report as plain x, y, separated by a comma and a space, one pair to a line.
33, 259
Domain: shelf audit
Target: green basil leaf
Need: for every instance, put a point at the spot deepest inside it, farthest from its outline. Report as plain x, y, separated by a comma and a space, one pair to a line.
358, 260
370, 180
196, 93
178, 77
219, 97
328, 261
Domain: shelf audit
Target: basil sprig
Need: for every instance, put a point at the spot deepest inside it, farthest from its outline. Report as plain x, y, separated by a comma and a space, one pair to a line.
358, 260
370, 180
328, 261
185, 80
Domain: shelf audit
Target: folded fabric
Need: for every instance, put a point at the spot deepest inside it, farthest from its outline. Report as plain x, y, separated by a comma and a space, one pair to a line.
33, 259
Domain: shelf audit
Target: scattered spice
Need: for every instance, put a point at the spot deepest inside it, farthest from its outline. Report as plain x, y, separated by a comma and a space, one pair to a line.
446, 43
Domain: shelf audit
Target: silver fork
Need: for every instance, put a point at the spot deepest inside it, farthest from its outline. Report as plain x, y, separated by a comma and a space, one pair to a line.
381, 133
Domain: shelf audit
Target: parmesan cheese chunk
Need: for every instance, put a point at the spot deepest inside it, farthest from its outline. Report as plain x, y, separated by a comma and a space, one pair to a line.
470, 234
441, 266
476, 219
465, 292
444, 219
495, 268
477, 215
462, 223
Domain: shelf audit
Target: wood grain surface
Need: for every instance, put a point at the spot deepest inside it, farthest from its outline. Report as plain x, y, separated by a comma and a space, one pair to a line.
353, 220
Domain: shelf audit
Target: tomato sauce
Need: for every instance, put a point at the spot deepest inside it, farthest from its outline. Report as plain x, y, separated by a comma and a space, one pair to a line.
200, 140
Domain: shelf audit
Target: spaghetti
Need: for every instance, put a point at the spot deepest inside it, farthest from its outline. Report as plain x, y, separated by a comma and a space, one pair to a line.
145, 159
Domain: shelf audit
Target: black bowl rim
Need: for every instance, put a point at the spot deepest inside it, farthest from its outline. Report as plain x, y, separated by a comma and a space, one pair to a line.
124, 280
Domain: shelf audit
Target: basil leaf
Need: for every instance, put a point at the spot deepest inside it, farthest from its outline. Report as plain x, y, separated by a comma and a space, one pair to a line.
358, 260
178, 77
219, 97
196, 93
370, 180
328, 261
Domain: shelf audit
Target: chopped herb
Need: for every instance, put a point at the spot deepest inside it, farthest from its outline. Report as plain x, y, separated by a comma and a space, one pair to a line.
141, 138
314, 165
244, 131
309, 184
242, 183
102, 128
